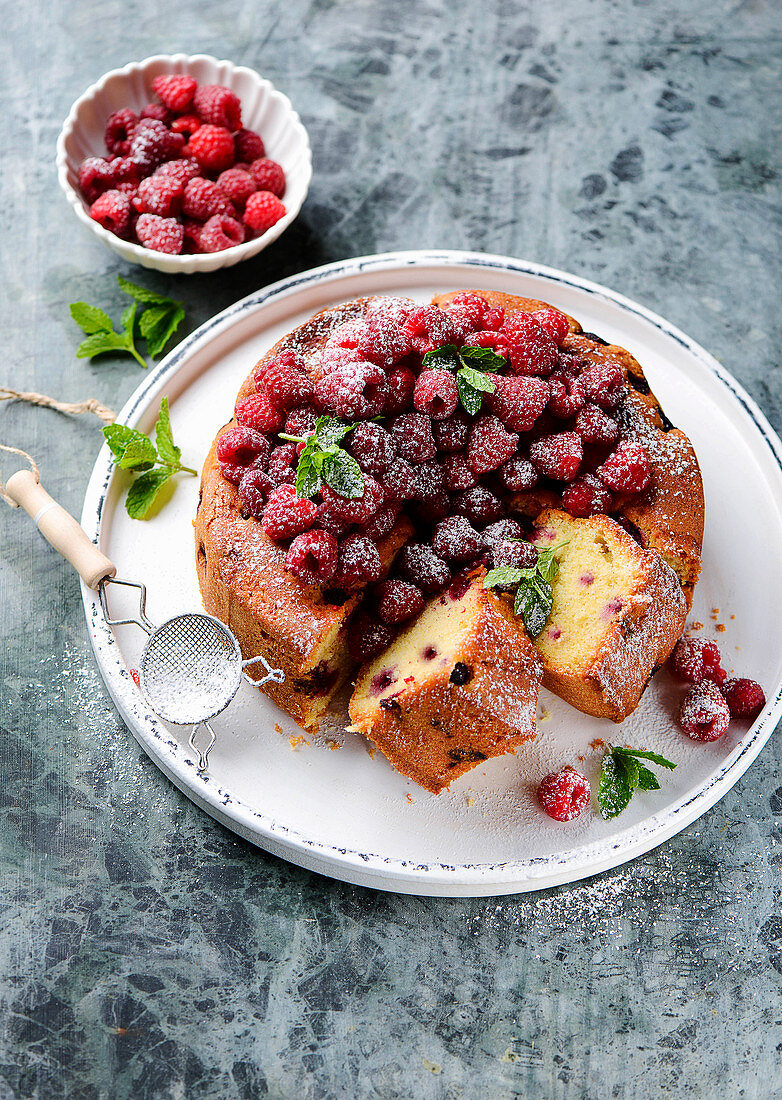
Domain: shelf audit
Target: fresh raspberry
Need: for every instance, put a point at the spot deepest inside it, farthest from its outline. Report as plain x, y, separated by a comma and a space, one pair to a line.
451, 435
414, 438
181, 170
331, 523
516, 555
156, 111
494, 319
455, 539
257, 411
186, 125
595, 427
419, 565
286, 515
254, 487
160, 234
217, 105
399, 480
240, 445
704, 715
401, 383
554, 323
430, 508
531, 349
119, 130
249, 146
213, 148
428, 481
498, 532
518, 475
571, 362
312, 557
237, 185
436, 394
203, 199
192, 231
567, 396
159, 195
112, 210
126, 170
263, 210
398, 600
488, 339
287, 386
359, 563
377, 337
282, 462
268, 176
429, 327
354, 391
467, 312
367, 637
745, 698
518, 400
695, 659
153, 142
95, 177
627, 469
220, 232
557, 456
586, 496
175, 91
457, 473
358, 509
480, 505
564, 795
372, 447
603, 384
286, 358
382, 523
301, 421
490, 444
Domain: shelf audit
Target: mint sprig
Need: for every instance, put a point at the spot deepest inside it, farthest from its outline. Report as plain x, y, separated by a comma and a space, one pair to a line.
157, 324
622, 775
155, 463
472, 366
324, 462
534, 587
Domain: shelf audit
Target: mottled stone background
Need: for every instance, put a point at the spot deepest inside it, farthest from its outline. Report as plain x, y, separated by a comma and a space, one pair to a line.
144, 950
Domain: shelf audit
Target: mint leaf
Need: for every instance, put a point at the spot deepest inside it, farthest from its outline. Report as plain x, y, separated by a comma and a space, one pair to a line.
622, 775
614, 791
309, 472
444, 358
534, 600
486, 359
330, 431
647, 781
642, 754
548, 566
99, 343
139, 454
158, 324
90, 319
144, 490
164, 440
118, 436
477, 379
504, 576
142, 294
343, 474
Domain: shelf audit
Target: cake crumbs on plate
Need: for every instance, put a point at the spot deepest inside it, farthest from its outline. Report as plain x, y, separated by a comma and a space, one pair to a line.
598, 743
544, 714
409, 797
334, 745
721, 627
277, 727
470, 800
295, 741
695, 626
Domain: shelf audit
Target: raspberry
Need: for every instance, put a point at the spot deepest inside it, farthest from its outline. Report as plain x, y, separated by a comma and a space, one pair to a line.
257, 411
249, 146
518, 401
491, 339
254, 487
160, 195
287, 386
399, 601
282, 461
595, 427
232, 473
284, 358
355, 391
286, 514
586, 496
457, 474
436, 394
603, 384
217, 105
428, 481
220, 232
518, 555
745, 698
567, 395
263, 210
420, 565
181, 170
367, 637
381, 523
153, 142
399, 480
554, 323
490, 445
112, 210
359, 563
499, 532
376, 338
414, 438
203, 199
494, 319
480, 505
531, 349
213, 148
312, 557
451, 435
358, 509
160, 234
627, 469
557, 456
237, 185
704, 715
268, 176
518, 475
401, 383
467, 312
430, 508
565, 794
95, 177
695, 659
429, 327
186, 125
455, 539
240, 445
120, 128
372, 447
331, 523
300, 421
157, 111
175, 92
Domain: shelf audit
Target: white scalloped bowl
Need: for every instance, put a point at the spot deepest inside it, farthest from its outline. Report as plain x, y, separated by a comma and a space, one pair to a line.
264, 109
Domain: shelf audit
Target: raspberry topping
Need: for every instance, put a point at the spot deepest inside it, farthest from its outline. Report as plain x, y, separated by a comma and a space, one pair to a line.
458, 475
367, 636
268, 176
414, 437
436, 394
359, 563
519, 555
263, 210
595, 427
429, 327
518, 475
401, 383
398, 600
564, 795
353, 390
175, 91
498, 532
258, 411
455, 539
467, 312
603, 384
745, 698
480, 505
451, 435
254, 487
359, 509
627, 469
490, 444
518, 401
566, 397
420, 565
531, 349
554, 323
557, 456
373, 447
286, 514
240, 445
586, 496
704, 715
287, 386
312, 557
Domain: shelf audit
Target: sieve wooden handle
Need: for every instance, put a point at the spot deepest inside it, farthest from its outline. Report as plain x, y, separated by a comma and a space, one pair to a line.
60, 529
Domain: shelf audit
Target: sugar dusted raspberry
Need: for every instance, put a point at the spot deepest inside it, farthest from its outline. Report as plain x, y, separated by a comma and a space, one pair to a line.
300, 421
455, 539
745, 698
249, 146
203, 199
237, 185
564, 795
494, 319
499, 532
331, 523
704, 715
112, 210
181, 170
414, 438
354, 391
367, 636
490, 444
285, 358
467, 312
518, 475
428, 481
430, 327
220, 232
488, 339
419, 565
286, 515
175, 91
480, 505
359, 563
287, 386
312, 557
518, 555
518, 401
160, 195
153, 142
586, 496
567, 395
382, 523
218, 105
240, 445
557, 456
192, 231
627, 469
213, 148
282, 463
232, 473
254, 487
553, 322
429, 507
375, 338
531, 349
399, 480
268, 176
436, 394
603, 384
372, 447
451, 435
95, 177
156, 111
186, 125
458, 475
696, 659
398, 601
120, 127
160, 234
401, 383
263, 210
595, 427
358, 509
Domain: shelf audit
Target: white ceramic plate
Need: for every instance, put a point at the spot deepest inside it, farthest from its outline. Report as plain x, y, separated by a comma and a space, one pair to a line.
328, 805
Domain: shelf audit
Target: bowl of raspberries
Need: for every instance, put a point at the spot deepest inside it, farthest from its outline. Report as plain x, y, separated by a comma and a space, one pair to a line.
184, 163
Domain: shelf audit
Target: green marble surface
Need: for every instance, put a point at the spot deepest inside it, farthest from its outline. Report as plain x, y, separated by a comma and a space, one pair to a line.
144, 950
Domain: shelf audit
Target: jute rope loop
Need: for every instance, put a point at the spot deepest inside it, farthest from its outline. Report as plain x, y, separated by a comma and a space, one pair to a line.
33, 467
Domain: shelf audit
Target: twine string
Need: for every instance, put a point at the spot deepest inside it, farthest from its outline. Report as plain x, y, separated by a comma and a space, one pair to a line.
33, 466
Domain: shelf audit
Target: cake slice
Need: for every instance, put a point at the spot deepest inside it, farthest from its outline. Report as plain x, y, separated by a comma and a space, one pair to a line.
457, 687
618, 611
